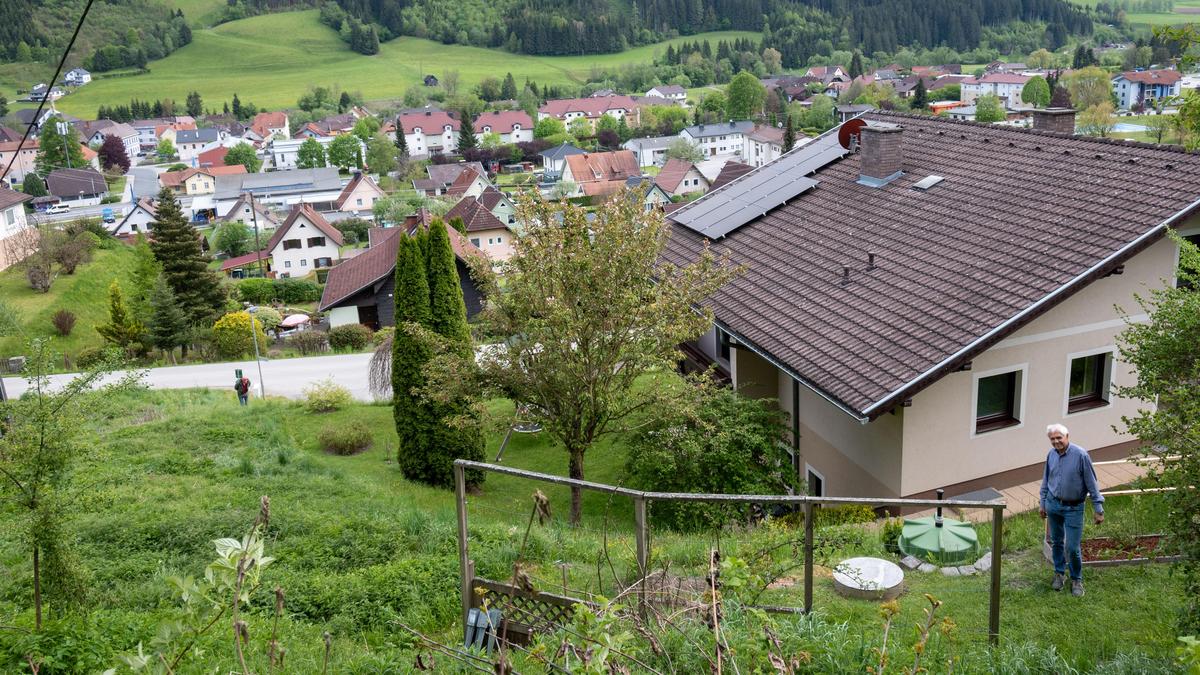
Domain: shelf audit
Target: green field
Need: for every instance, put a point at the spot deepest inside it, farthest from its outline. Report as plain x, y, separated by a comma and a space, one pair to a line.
271, 60
199, 13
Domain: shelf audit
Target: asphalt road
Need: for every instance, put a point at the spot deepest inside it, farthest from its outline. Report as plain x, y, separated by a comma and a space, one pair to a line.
284, 377
119, 209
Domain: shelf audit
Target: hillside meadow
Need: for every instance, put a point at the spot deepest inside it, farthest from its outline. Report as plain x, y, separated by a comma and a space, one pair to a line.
271, 60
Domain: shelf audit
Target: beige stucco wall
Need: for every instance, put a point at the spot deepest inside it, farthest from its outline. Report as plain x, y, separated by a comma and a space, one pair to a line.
940, 445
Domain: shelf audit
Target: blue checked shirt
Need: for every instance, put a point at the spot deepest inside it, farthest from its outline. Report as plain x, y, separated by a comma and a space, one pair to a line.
1070, 477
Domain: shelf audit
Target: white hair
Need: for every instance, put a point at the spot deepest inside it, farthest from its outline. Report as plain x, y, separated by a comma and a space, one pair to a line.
1059, 428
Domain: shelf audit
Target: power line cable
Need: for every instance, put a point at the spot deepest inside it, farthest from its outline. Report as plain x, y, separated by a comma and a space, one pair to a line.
49, 88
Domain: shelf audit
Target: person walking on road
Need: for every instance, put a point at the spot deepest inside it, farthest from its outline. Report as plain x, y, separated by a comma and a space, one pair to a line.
1066, 482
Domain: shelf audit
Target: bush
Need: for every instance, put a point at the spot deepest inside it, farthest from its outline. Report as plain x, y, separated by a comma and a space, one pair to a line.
89, 357
349, 439
844, 514
727, 444
325, 396
64, 322
309, 342
383, 335
296, 290
267, 317
257, 291
889, 534
352, 336
231, 335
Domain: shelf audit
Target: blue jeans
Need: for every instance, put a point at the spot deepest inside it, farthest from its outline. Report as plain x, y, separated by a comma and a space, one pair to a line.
1066, 522
242, 398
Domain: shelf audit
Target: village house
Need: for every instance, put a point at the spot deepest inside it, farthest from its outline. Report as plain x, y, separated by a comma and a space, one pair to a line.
911, 355
443, 176
469, 183
148, 129
680, 177
284, 152
169, 132
483, 229
304, 243
828, 74
591, 108
22, 159
43, 92
268, 125
29, 117
190, 143
429, 132
214, 157
598, 174
317, 187
513, 126
196, 181
359, 196
77, 77
97, 132
764, 144
1138, 89
77, 187
1007, 86
360, 289
650, 151
499, 204
137, 220
554, 160
672, 92
250, 211
653, 196
15, 245
724, 138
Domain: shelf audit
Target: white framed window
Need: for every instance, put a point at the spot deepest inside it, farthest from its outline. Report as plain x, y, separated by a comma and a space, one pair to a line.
304, 262
358, 201
287, 264
816, 481
1088, 381
998, 399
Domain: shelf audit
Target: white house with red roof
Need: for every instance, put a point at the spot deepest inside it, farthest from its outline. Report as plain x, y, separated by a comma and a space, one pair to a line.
1007, 86
513, 126
591, 108
359, 196
271, 124
304, 243
1143, 87
429, 132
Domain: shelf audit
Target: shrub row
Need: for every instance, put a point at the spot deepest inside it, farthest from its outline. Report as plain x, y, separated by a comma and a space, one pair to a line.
278, 290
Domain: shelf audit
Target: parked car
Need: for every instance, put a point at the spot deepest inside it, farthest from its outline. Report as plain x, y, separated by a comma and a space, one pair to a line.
108, 215
59, 208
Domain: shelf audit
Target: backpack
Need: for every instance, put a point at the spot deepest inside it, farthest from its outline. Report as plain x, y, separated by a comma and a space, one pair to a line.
242, 386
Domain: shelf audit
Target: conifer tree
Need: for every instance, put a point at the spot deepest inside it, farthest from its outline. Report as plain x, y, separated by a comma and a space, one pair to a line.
168, 325
122, 329
401, 141
789, 134
466, 133
508, 90
409, 356
447, 309
856, 65
57, 150
176, 246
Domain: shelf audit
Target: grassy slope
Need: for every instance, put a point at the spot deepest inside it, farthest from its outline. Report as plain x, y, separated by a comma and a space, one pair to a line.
358, 546
199, 13
271, 60
85, 293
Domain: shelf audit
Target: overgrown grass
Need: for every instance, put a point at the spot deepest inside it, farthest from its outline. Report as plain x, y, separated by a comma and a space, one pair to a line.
359, 548
84, 293
274, 72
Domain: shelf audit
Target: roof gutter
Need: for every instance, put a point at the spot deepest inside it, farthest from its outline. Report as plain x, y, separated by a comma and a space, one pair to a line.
1134, 245
743, 342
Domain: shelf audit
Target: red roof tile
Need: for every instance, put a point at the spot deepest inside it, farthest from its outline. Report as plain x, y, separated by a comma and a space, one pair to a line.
593, 106
673, 172
475, 216
503, 122
1167, 77
430, 122
603, 166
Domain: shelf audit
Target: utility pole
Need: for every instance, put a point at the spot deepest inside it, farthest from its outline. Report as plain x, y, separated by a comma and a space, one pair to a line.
257, 243
64, 130
262, 390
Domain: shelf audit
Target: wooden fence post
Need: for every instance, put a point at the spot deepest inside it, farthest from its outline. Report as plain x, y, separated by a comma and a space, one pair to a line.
808, 557
643, 549
465, 568
994, 599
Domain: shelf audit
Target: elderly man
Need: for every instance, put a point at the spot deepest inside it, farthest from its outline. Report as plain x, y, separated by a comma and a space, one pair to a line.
1066, 482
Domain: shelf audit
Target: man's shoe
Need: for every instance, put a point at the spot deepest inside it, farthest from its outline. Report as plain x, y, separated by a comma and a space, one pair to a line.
1077, 588
1058, 582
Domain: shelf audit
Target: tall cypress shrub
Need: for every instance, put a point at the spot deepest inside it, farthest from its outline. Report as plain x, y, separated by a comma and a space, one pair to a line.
409, 356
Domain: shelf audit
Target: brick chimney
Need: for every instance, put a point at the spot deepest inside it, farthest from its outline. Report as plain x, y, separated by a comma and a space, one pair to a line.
1056, 120
881, 155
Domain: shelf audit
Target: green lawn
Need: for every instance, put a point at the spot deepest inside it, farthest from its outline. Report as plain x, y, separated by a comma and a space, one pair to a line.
359, 549
271, 60
200, 13
85, 293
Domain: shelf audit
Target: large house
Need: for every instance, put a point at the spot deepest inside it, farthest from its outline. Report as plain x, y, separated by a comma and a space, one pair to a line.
722, 139
22, 158
513, 126
429, 132
444, 176
764, 144
359, 196
14, 245
360, 289
77, 187
1137, 89
306, 242
591, 108
913, 348
201, 181
96, 132
137, 220
671, 92
318, 187
554, 160
597, 174
148, 129
191, 142
680, 177
1006, 85
269, 125
77, 77
483, 229
650, 151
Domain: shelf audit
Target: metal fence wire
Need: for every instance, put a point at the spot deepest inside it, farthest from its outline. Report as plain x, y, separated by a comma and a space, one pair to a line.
531, 602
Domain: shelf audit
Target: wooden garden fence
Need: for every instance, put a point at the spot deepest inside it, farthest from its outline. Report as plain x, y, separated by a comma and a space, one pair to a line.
534, 610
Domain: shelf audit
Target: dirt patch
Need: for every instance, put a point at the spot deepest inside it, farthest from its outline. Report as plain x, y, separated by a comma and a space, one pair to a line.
1109, 548
1187, 10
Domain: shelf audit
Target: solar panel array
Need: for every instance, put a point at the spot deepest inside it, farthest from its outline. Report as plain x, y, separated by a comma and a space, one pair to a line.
753, 195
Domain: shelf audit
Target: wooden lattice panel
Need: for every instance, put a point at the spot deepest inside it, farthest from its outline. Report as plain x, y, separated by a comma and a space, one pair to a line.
525, 612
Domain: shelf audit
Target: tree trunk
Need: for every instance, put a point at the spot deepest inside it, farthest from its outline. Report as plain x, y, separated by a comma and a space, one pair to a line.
576, 471
37, 588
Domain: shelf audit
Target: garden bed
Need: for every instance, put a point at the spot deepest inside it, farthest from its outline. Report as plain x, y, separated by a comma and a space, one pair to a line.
1112, 551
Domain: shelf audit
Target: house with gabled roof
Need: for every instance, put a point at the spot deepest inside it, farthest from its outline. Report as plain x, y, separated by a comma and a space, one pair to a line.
197, 181
271, 125
77, 77
469, 183
554, 160
359, 196
671, 92
499, 204
597, 174
19, 158
731, 171
360, 289
1141, 88
513, 126
483, 229
249, 211
680, 177
189, 143
591, 108
442, 176
1007, 86
429, 132
137, 219
77, 187
923, 308
15, 244
304, 243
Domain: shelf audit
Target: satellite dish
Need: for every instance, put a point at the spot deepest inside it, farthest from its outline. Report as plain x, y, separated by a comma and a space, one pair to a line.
850, 129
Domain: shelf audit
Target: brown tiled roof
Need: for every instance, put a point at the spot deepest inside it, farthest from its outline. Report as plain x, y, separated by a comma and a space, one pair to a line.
603, 166
351, 186
475, 216
1153, 76
491, 197
673, 172
463, 182
379, 261
10, 197
268, 120
8, 135
71, 182
445, 174
601, 188
247, 259
958, 267
729, 172
317, 219
214, 157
